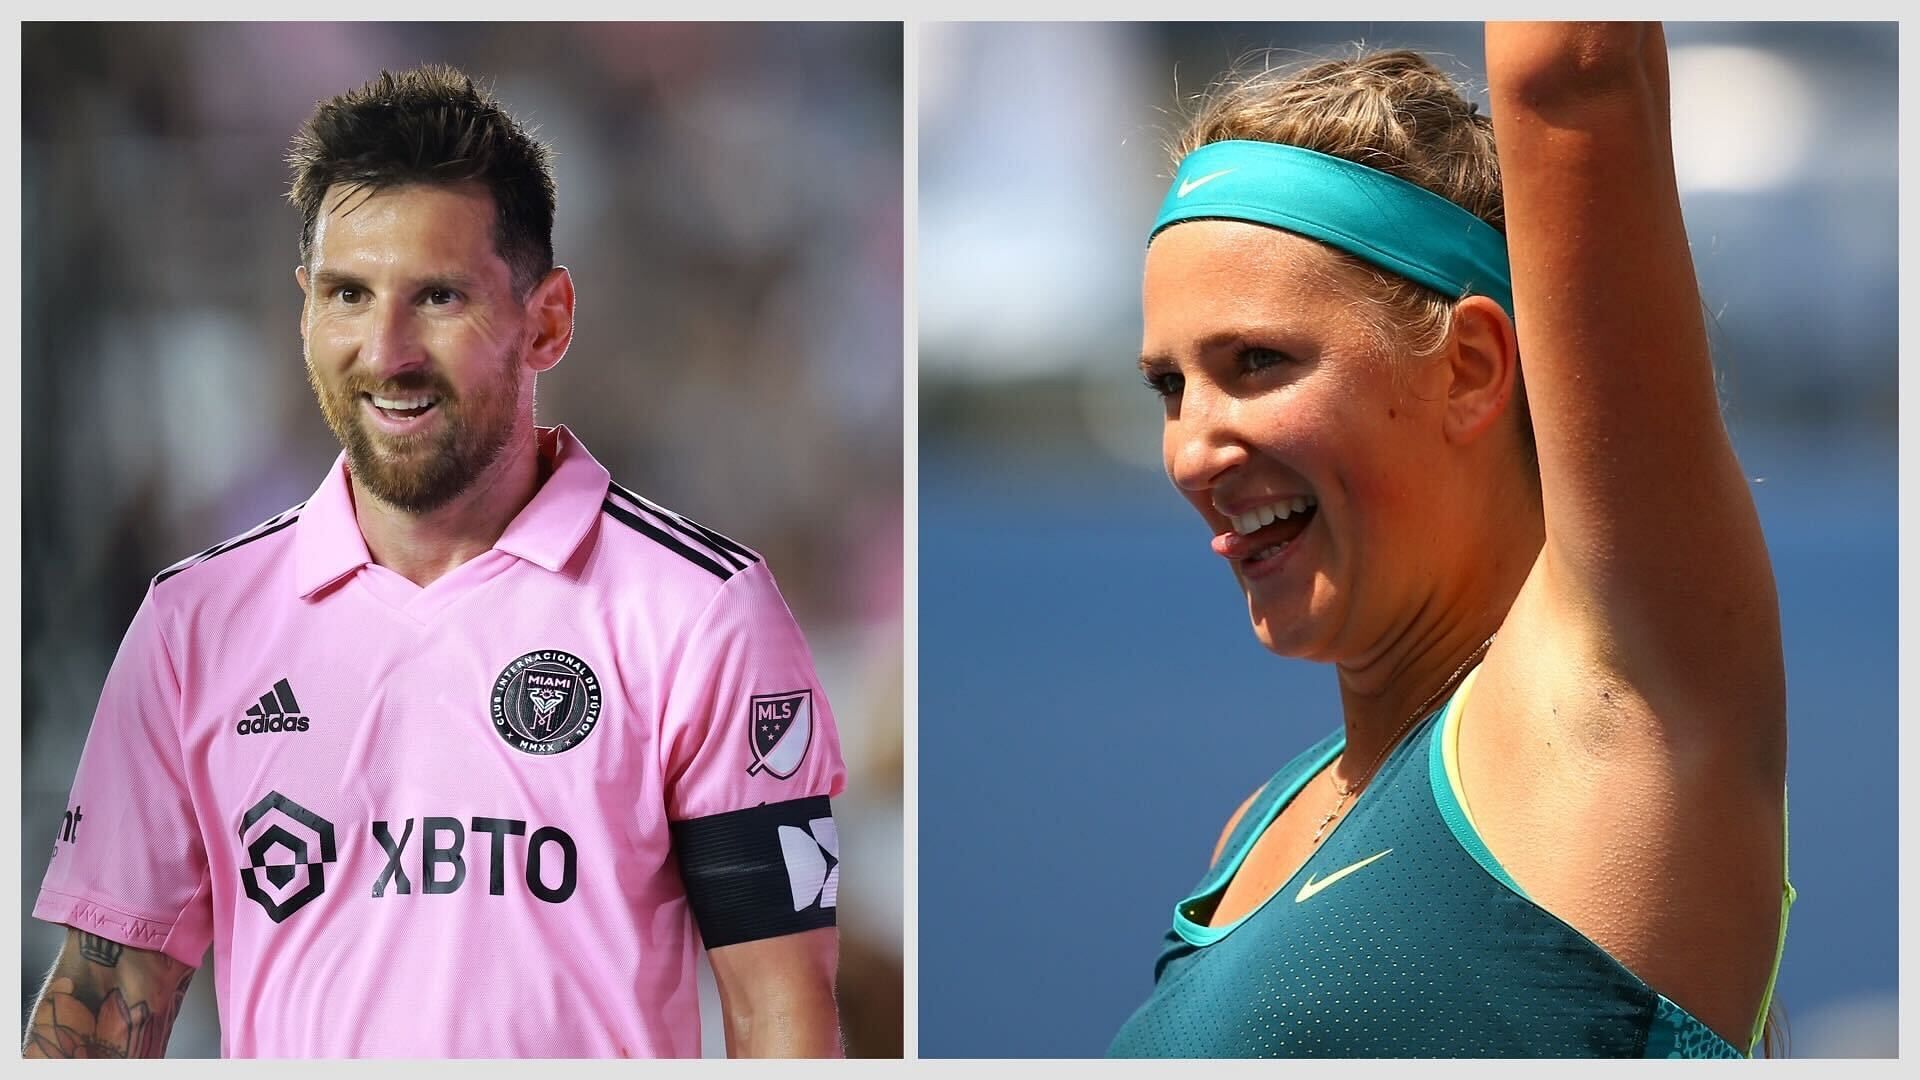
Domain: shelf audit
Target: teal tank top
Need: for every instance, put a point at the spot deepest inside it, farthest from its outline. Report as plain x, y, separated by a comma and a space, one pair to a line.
1401, 936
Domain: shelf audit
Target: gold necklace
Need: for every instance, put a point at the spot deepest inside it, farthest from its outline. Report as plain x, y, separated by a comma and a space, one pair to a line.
1395, 740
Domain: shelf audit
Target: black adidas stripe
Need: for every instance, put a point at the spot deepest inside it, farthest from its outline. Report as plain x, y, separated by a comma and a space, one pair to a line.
718, 538
726, 549
678, 526
285, 690
665, 539
720, 545
240, 541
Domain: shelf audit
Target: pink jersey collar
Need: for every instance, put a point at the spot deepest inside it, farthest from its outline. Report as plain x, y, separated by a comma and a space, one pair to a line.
547, 531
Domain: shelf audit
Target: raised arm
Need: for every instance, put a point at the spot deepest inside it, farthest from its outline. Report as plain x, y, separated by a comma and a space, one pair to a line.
104, 999
777, 995
1653, 547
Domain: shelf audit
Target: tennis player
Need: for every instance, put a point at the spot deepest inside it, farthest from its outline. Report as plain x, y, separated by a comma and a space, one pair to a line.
1553, 820
450, 759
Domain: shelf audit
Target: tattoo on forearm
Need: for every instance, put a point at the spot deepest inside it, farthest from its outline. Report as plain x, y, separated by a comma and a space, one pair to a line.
95, 1008
100, 950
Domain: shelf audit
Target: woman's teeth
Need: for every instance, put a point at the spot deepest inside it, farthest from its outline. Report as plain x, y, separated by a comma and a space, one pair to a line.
1262, 516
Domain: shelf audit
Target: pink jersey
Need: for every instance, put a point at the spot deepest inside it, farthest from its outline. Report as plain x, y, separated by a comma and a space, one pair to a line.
434, 822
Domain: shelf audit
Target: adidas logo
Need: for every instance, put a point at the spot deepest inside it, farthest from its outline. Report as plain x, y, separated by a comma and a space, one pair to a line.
275, 711
813, 862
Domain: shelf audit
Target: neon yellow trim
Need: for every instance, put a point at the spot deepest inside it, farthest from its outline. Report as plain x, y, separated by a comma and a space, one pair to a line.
1450, 745
1450, 757
1787, 896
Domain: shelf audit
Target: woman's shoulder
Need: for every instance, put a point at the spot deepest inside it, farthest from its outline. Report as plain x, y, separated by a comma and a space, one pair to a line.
1277, 786
1233, 823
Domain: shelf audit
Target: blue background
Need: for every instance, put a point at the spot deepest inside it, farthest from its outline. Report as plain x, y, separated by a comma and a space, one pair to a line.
1093, 706
1092, 702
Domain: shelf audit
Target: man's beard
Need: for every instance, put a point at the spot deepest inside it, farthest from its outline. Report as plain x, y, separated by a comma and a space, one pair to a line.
422, 473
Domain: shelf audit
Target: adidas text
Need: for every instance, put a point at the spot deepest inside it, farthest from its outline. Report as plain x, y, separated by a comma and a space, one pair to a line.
257, 724
275, 711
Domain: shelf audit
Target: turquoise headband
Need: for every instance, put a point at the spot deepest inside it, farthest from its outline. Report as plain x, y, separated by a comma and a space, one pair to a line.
1364, 212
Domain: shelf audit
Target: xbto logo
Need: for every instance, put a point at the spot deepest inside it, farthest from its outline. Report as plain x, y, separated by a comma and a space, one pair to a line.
285, 837
434, 854
812, 856
289, 846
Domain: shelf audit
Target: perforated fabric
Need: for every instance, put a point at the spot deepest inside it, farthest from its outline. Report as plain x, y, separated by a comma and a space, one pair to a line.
1421, 952
1677, 1034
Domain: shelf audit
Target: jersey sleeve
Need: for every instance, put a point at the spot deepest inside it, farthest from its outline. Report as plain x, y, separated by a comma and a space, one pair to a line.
747, 722
128, 863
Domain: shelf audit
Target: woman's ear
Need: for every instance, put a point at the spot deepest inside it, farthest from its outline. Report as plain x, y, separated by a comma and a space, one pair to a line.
1483, 362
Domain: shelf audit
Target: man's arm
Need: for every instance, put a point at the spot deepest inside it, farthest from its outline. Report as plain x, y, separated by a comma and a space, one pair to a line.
105, 999
777, 995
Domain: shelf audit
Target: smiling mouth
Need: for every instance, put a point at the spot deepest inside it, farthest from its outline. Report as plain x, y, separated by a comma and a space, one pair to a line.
1264, 532
402, 408
1279, 510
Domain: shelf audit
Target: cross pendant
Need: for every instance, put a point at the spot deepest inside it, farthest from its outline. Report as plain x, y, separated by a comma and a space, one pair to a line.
1323, 823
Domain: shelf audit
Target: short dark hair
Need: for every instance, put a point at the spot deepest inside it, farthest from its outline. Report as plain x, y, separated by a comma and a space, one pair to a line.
430, 125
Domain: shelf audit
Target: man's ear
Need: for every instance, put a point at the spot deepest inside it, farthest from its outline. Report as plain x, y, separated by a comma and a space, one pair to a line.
306, 297
551, 308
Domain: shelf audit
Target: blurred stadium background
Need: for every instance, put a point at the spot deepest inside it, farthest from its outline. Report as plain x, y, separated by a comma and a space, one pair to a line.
1077, 637
730, 204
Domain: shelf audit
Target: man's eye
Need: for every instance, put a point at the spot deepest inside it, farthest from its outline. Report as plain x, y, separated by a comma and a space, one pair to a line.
349, 295
442, 296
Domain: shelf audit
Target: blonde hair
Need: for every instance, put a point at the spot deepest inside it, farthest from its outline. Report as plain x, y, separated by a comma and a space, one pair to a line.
1396, 112
1393, 111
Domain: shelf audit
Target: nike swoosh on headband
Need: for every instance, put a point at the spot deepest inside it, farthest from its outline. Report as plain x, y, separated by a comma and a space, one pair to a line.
1386, 221
1187, 186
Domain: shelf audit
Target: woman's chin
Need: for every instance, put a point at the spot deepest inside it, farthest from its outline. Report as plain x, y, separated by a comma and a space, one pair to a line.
1287, 635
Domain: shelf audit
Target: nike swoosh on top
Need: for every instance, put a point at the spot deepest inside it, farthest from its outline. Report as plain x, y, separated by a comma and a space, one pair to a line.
1188, 185
1311, 887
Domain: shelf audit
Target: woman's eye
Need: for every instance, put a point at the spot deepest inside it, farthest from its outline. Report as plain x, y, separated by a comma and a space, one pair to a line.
1257, 359
1164, 383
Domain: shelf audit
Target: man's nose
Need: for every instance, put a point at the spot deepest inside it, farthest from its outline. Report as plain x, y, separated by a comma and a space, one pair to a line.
393, 342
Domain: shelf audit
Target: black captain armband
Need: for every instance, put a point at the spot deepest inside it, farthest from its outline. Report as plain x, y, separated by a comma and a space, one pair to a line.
762, 872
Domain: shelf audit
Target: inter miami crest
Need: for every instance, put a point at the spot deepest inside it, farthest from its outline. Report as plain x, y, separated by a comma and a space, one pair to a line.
781, 729
546, 702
